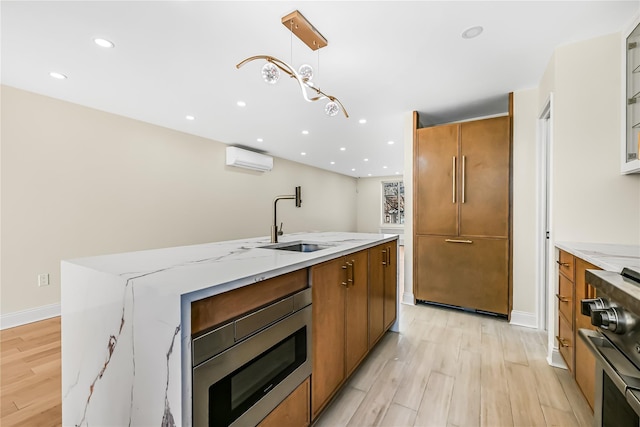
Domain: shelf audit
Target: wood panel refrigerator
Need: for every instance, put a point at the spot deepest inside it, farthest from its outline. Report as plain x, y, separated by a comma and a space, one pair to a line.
462, 199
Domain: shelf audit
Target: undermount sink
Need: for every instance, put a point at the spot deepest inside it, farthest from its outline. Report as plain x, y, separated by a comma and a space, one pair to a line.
297, 246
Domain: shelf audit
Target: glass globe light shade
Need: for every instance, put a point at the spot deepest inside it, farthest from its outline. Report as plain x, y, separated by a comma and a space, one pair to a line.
270, 73
306, 72
331, 109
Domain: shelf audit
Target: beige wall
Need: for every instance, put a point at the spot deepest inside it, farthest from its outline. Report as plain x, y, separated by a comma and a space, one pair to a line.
78, 182
524, 200
370, 203
592, 202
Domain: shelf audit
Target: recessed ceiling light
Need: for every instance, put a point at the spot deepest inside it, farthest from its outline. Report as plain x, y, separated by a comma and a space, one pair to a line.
342, 149
189, 117
58, 76
241, 104
259, 140
397, 173
366, 160
303, 154
368, 174
305, 132
384, 167
353, 170
333, 163
390, 142
472, 32
362, 121
104, 43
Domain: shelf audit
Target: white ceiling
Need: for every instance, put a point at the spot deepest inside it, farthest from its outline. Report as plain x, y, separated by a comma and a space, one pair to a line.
384, 59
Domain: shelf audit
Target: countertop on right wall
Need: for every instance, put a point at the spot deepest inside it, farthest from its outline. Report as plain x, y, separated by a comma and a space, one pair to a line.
610, 257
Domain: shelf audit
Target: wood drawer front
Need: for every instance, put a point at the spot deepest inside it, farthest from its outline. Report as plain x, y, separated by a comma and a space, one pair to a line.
585, 371
293, 411
566, 264
218, 309
565, 299
565, 342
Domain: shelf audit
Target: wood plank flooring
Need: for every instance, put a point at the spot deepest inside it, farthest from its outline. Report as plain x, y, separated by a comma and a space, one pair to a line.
454, 368
445, 368
30, 376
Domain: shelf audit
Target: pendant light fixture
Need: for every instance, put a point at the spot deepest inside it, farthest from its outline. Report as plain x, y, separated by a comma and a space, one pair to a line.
301, 28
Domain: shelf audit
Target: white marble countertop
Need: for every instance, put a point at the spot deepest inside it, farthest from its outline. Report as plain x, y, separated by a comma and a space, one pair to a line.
230, 264
610, 257
126, 321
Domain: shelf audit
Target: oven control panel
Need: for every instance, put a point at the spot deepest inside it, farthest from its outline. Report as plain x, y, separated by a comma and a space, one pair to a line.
606, 316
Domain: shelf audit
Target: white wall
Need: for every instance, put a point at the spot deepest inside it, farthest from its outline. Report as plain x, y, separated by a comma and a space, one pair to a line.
79, 182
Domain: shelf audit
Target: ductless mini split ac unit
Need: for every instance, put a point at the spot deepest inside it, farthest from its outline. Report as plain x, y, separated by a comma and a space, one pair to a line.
248, 159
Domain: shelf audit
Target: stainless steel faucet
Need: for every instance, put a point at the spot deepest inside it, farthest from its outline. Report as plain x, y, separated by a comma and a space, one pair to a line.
274, 227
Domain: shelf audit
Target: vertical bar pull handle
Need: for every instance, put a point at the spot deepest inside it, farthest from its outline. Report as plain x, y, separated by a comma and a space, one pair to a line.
346, 273
453, 179
464, 160
389, 255
351, 280
384, 257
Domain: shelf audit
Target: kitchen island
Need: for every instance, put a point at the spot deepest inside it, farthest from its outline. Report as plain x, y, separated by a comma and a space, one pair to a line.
126, 321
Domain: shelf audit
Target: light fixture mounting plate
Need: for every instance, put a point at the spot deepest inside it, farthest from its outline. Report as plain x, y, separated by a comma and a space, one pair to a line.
298, 24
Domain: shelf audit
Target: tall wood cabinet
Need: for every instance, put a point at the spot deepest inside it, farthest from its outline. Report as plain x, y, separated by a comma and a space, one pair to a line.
462, 202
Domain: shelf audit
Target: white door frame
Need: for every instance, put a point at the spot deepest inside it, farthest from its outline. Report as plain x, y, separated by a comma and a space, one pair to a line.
545, 267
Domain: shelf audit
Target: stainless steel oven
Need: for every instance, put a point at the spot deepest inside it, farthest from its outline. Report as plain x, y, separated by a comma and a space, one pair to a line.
245, 368
615, 345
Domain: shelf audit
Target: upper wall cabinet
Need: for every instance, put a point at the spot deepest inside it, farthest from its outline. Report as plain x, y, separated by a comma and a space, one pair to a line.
631, 131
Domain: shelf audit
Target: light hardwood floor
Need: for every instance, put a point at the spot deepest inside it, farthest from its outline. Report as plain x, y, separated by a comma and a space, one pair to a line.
454, 368
445, 368
30, 383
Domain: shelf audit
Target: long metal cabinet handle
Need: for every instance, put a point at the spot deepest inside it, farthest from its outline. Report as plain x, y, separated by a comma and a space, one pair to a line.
562, 298
351, 279
453, 179
389, 255
563, 342
458, 241
464, 159
563, 264
384, 257
346, 273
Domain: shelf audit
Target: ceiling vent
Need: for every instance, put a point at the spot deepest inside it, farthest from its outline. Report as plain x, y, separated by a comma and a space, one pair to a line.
248, 159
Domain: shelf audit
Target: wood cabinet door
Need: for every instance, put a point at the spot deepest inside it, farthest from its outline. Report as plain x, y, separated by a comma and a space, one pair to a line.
473, 275
377, 270
485, 171
356, 311
293, 411
328, 368
436, 180
391, 285
565, 342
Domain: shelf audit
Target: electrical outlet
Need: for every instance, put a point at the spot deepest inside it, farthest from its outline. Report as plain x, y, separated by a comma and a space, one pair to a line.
43, 279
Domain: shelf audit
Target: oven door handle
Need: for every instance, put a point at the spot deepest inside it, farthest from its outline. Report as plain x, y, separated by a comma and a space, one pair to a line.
592, 339
632, 400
